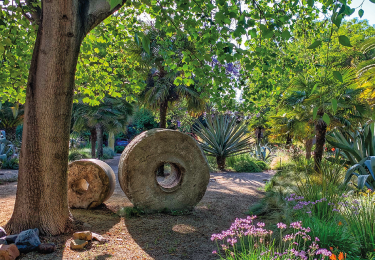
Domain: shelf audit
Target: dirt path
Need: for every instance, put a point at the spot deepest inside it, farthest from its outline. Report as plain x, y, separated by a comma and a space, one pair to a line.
154, 236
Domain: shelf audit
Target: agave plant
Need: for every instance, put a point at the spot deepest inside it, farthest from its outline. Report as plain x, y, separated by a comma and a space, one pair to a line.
222, 137
358, 151
262, 152
359, 170
354, 146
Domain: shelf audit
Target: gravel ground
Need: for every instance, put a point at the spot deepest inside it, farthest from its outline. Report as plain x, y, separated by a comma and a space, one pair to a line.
154, 236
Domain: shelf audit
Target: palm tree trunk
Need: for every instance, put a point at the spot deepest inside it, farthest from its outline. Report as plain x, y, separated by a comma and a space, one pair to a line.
99, 138
321, 128
163, 114
220, 160
111, 140
93, 142
308, 146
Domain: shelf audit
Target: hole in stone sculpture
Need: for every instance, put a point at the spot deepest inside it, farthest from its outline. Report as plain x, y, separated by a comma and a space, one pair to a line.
168, 175
81, 186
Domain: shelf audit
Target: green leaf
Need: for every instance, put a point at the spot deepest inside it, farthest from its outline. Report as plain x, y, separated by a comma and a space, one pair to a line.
114, 3
315, 112
344, 41
326, 118
372, 1
286, 35
314, 88
146, 44
316, 44
334, 104
337, 19
360, 13
338, 76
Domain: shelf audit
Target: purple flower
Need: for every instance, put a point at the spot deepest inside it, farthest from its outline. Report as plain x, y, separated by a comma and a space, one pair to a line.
214, 252
324, 252
281, 225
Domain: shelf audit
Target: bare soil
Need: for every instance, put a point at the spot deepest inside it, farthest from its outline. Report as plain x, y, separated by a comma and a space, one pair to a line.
153, 236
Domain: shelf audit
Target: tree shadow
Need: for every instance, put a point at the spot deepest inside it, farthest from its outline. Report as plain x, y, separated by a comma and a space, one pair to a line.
99, 220
167, 237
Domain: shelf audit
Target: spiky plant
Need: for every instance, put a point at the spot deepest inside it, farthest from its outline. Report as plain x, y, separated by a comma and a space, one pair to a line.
222, 137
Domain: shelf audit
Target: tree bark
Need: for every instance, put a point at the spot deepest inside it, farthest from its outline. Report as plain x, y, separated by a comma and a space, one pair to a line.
308, 147
320, 128
111, 140
99, 136
163, 114
220, 160
93, 141
41, 200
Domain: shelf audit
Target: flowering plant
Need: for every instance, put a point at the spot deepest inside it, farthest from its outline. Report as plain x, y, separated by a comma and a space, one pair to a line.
257, 242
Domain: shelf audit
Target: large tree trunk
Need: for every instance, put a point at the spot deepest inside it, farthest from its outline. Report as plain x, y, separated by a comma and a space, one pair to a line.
308, 147
41, 200
93, 141
163, 114
220, 160
99, 136
321, 128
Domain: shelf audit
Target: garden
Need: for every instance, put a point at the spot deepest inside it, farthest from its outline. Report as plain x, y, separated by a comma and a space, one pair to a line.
187, 129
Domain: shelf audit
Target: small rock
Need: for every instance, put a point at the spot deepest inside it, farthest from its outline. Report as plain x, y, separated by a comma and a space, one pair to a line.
84, 235
2, 232
28, 240
77, 244
3, 241
87, 225
47, 248
99, 238
11, 238
9, 252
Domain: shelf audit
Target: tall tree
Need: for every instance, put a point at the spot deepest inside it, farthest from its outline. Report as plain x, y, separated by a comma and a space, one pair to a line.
41, 199
111, 114
160, 92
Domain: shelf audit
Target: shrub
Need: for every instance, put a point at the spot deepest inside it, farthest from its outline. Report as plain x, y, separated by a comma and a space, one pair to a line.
77, 155
119, 149
108, 153
247, 240
246, 166
11, 164
359, 214
262, 165
333, 233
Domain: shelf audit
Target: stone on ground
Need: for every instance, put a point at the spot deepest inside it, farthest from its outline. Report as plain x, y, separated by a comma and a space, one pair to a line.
11, 238
78, 244
9, 252
99, 238
3, 241
46, 248
2, 232
28, 240
84, 235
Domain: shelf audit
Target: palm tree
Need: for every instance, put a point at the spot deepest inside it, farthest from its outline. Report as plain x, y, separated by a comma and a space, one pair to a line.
366, 70
222, 137
302, 101
111, 114
160, 92
11, 115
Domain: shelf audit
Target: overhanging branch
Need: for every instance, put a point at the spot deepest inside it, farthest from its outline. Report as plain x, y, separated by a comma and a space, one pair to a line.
97, 11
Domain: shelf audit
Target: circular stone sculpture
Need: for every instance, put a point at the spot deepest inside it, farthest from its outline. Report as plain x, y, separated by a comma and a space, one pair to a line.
141, 160
90, 183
